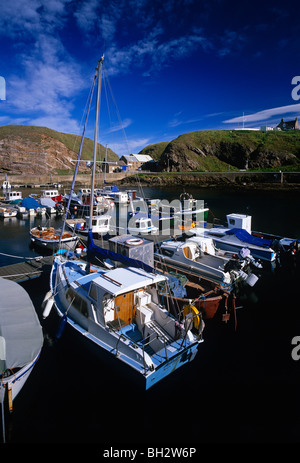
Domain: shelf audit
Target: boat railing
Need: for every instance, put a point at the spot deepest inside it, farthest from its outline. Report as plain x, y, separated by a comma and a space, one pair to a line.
145, 344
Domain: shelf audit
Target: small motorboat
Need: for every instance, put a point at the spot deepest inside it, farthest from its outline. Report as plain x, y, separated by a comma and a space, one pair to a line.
238, 235
100, 225
190, 257
6, 212
48, 237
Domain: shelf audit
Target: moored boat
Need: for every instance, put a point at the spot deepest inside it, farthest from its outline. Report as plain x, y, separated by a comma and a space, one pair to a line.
6, 212
118, 310
21, 339
48, 237
187, 256
141, 226
238, 235
100, 225
208, 297
12, 197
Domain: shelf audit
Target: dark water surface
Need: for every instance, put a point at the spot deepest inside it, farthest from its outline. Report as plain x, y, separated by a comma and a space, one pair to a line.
242, 386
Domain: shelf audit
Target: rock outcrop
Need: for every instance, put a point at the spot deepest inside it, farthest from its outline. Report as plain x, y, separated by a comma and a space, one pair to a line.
28, 150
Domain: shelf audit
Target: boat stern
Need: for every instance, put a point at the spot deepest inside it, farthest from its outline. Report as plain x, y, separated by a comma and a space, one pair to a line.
171, 364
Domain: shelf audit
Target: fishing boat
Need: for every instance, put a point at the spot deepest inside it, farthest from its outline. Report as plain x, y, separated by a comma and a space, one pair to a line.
49, 204
79, 203
118, 309
7, 212
30, 207
12, 197
208, 297
21, 339
238, 235
141, 226
52, 194
188, 256
100, 225
51, 239
6, 185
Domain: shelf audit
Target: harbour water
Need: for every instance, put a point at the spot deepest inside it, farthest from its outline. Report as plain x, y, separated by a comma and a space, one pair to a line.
243, 385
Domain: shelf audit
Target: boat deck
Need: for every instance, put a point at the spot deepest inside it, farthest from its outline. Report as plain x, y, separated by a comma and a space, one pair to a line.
171, 348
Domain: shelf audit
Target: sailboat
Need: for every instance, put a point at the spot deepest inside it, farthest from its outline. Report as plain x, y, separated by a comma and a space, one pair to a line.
118, 309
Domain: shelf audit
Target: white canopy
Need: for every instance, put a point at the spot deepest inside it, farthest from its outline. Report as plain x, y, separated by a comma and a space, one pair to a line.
21, 336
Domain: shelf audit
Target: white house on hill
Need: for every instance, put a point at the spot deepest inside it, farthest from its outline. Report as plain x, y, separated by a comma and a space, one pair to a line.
134, 161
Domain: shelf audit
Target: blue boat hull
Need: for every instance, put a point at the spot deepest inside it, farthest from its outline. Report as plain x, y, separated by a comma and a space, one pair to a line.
174, 363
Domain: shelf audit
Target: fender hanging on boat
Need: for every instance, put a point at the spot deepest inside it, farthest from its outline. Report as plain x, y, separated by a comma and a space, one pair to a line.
47, 304
61, 326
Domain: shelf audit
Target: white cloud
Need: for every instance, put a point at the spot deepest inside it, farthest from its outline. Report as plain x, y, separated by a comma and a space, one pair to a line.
131, 146
42, 91
86, 15
266, 114
125, 123
23, 17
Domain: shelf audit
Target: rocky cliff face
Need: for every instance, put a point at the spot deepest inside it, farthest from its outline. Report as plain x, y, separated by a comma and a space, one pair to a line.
22, 156
28, 150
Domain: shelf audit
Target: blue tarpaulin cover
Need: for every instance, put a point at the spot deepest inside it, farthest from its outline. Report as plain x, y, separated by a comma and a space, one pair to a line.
243, 235
30, 203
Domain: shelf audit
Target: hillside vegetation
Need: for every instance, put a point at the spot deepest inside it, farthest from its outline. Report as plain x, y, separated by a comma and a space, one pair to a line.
222, 150
155, 150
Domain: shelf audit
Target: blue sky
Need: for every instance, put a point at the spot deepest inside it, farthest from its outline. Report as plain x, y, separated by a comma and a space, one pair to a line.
174, 66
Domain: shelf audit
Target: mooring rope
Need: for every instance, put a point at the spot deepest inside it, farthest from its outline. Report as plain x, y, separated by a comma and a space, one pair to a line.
20, 257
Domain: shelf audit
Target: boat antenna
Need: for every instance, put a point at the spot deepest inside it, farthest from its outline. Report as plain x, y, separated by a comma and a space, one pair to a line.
98, 72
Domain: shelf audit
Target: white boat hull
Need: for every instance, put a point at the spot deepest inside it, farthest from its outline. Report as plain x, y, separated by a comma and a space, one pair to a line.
16, 381
120, 342
52, 243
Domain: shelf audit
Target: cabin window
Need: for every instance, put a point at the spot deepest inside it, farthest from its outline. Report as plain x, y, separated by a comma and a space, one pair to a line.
232, 221
137, 224
167, 252
78, 303
93, 292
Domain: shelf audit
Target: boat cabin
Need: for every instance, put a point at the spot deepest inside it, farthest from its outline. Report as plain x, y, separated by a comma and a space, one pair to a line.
123, 300
13, 196
51, 194
239, 221
180, 252
141, 225
121, 197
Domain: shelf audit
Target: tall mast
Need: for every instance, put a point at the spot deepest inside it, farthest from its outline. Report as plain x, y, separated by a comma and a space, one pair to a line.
78, 161
99, 70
